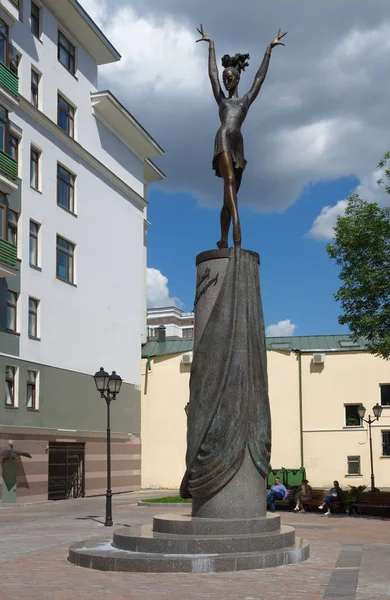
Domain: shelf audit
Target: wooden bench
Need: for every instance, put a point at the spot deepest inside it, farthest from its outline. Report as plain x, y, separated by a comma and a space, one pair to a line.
318, 498
373, 503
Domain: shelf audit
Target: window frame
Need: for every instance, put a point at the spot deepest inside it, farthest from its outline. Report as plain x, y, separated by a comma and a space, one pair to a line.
353, 460
70, 188
34, 150
6, 42
382, 385
13, 142
36, 20
5, 139
35, 85
35, 387
35, 236
13, 380
387, 433
69, 51
346, 418
70, 266
12, 304
3, 217
11, 226
70, 115
35, 313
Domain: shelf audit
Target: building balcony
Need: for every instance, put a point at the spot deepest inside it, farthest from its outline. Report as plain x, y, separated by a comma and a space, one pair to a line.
8, 259
9, 80
8, 167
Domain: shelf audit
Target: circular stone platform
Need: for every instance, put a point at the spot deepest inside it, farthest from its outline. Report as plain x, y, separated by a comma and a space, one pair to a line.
185, 544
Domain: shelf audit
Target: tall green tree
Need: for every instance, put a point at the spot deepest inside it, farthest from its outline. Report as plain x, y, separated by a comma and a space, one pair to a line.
361, 248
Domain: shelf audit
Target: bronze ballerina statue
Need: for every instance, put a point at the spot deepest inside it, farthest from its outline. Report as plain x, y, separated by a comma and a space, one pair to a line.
229, 162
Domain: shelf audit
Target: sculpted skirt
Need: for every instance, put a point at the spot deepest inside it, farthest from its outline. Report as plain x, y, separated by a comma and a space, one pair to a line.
230, 141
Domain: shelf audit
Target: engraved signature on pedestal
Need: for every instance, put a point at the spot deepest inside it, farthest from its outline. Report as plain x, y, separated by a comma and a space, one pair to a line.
199, 293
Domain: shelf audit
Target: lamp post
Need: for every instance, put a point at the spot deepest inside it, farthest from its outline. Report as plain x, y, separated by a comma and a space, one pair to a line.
377, 410
108, 387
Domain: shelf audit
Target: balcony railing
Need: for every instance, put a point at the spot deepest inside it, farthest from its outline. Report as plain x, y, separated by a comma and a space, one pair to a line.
8, 166
9, 80
16, 2
8, 253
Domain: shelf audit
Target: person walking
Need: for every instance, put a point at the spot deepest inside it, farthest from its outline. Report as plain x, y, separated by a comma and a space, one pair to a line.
277, 492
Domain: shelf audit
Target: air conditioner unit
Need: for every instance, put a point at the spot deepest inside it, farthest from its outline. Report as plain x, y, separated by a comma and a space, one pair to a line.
186, 359
318, 359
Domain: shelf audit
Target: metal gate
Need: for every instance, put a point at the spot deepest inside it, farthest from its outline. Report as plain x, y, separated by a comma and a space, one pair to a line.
66, 470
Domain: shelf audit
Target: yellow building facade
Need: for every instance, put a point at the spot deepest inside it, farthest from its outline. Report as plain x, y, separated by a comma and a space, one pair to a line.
316, 385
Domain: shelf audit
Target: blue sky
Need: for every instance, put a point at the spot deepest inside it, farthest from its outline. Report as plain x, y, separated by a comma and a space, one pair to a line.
314, 135
298, 279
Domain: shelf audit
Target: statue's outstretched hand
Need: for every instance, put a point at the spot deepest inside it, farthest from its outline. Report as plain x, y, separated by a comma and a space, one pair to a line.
276, 41
204, 38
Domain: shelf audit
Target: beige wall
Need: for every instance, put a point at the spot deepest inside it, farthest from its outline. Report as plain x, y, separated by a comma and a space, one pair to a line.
163, 422
344, 378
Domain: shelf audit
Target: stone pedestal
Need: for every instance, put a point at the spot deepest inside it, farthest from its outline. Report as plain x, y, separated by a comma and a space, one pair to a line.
229, 442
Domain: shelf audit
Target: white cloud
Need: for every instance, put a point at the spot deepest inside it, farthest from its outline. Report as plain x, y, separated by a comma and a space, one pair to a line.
281, 329
158, 53
368, 189
320, 114
157, 290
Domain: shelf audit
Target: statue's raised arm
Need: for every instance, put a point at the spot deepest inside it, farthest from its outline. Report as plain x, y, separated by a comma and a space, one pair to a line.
213, 69
262, 72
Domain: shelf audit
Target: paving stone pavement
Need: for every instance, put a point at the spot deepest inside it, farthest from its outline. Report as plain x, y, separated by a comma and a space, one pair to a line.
350, 558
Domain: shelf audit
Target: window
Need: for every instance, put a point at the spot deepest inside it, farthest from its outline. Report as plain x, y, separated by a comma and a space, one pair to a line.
385, 443
4, 42
65, 116
188, 333
34, 233
66, 53
35, 79
35, 20
12, 228
385, 394
12, 300
34, 168
65, 259
13, 146
32, 377
352, 418
4, 129
353, 465
65, 188
3, 213
33, 317
9, 143
10, 384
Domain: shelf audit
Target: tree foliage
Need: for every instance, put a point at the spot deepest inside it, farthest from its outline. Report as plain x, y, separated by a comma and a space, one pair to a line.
361, 248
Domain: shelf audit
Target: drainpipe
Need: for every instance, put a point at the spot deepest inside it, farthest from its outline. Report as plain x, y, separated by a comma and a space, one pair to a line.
299, 354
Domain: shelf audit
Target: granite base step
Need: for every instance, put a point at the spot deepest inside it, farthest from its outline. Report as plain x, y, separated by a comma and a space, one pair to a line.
185, 524
102, 556
143, 539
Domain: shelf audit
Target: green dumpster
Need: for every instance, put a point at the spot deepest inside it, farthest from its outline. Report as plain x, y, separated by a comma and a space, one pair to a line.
294, 477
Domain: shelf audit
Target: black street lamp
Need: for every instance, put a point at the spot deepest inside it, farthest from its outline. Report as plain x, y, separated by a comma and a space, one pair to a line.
377, 410
108, 387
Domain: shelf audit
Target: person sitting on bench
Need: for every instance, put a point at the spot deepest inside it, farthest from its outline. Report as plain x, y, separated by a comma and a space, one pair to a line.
277, 492
334, 495
305, 494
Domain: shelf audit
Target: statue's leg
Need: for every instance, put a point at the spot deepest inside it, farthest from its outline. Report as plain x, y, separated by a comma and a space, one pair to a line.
230, 195
225, 225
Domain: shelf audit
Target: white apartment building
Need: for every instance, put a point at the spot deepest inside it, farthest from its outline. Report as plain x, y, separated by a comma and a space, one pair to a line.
178, 324
74, 169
